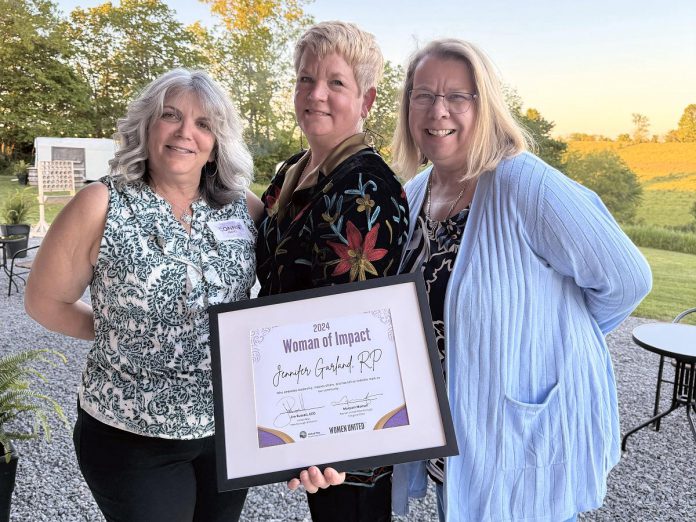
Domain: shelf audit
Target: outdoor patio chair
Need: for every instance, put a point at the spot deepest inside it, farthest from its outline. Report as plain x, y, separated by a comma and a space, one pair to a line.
681, 386
19, 268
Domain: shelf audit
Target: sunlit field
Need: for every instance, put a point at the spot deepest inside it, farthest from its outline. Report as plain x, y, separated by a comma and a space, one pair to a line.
648, 160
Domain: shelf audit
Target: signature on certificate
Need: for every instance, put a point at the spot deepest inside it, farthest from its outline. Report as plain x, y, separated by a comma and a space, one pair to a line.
293, 408
360, 401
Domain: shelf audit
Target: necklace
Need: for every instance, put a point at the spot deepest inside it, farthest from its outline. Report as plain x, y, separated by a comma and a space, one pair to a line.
185, 215
454, 203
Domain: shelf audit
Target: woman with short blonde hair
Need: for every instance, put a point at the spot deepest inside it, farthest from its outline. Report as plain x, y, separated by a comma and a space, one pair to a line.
334, 213
358, 48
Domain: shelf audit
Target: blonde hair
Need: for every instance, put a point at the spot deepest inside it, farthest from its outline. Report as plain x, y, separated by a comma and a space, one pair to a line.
496, 134
357, 47
232, 172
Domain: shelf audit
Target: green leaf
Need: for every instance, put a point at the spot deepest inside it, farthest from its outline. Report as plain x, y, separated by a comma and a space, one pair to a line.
18, 400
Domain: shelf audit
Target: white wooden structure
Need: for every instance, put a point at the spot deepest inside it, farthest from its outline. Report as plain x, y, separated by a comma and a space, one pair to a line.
53, 176
90, 156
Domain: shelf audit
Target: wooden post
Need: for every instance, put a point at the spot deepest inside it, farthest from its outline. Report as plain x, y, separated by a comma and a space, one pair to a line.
41, 227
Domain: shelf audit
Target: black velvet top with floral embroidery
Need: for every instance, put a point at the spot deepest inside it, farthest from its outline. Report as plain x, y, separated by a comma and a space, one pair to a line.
350, 226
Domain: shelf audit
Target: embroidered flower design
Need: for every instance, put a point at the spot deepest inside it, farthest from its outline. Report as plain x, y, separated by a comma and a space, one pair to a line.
329, 218
357, 255
365, 203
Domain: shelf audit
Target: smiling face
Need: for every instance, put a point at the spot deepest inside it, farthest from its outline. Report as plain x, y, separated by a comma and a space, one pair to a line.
442, 136
180, 141
328, 103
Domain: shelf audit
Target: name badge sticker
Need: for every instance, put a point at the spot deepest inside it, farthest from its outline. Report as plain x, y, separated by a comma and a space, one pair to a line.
232, 229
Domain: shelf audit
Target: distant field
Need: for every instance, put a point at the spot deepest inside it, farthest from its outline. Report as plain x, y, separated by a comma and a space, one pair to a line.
679, 181
666, 208
650, 160
674, 285
667, 172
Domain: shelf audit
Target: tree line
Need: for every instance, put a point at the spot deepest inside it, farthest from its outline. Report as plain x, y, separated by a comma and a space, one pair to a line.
74, 75
684, 133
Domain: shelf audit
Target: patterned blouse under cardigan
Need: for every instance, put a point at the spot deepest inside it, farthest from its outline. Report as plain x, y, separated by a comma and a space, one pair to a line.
433, 250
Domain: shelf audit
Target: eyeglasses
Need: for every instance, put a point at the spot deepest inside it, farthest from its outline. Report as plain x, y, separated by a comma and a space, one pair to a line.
455, 102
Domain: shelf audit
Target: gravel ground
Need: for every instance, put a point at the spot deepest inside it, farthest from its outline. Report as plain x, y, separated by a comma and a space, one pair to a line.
655, 480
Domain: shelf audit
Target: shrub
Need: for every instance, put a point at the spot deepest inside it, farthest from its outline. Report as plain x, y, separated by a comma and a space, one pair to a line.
664, 239
5, 165
605, 173
20, 167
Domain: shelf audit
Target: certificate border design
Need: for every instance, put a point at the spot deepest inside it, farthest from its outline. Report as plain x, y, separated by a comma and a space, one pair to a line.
227, 378
384, 315
257, 339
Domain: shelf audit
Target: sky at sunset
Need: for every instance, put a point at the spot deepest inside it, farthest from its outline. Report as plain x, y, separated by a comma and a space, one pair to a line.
587, 66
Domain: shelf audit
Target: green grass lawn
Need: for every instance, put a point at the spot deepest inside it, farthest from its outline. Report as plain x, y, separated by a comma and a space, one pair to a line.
666, 207
674, 285
258, 188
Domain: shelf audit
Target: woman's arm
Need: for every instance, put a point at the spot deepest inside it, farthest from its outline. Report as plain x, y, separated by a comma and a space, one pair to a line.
64, 265
255, 206
579, 238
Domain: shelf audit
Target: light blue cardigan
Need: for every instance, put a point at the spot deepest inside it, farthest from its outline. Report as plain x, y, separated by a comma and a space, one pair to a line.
543, 274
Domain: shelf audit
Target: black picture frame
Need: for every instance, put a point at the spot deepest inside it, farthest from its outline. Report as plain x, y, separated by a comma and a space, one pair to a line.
430, 433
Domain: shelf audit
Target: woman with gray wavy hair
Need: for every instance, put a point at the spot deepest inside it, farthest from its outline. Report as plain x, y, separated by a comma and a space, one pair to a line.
153, 242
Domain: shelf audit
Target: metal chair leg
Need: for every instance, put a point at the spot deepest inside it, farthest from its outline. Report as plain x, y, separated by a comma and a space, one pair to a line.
646, 423
656, 424
11, 281
691, 423
16, 275
690, 398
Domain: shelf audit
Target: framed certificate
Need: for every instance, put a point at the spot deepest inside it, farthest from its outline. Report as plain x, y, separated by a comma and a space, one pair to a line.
346, 376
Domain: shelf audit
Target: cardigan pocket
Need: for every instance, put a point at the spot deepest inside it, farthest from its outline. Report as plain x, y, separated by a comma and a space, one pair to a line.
534, 435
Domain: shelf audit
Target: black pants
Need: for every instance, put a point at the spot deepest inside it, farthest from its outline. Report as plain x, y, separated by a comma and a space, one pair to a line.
148, 479
352, 503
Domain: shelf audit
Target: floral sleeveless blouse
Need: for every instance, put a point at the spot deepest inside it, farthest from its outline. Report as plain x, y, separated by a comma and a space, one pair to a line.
148, 371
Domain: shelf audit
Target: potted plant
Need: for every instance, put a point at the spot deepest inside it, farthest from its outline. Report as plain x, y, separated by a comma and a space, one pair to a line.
18, 401
21, 170
15, 212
